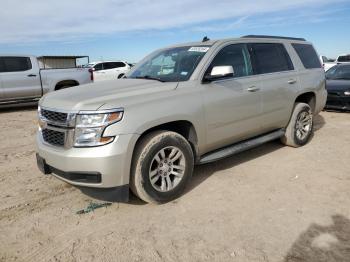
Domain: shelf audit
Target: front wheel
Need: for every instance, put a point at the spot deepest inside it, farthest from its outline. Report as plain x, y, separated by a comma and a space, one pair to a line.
300, 127
162, 166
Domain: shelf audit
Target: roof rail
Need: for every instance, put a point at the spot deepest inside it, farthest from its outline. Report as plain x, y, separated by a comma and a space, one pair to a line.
274, 37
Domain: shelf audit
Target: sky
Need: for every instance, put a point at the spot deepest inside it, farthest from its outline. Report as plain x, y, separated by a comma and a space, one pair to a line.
130, 29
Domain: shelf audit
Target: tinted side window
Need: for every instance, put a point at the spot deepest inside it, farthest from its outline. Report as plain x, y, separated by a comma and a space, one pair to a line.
119, 64
237, 56
307, 55
16, 64
98, 67
2, 67
344, 58
271, 58
108, 65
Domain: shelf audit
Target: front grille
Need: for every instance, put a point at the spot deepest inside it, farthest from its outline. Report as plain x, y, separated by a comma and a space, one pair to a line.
53, 137
54, 116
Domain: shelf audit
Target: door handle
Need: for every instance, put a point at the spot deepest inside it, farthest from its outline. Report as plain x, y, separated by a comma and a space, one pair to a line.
253, 89
31, 75
292, 81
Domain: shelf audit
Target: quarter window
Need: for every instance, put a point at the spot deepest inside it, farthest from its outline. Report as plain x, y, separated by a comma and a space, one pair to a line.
15, 64
271, 58
307, 55
237, 56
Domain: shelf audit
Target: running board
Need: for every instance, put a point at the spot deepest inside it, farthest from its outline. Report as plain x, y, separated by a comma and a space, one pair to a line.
240, 147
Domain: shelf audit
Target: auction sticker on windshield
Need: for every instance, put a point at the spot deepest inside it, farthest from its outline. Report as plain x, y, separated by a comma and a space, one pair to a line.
202, 49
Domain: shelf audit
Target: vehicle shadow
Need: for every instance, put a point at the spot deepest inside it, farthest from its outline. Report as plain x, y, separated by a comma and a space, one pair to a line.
18, 108
116, 195
319, 122
202, 172
323, 243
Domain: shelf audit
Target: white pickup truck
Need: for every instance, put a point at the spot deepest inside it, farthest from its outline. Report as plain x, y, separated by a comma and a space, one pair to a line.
22, 80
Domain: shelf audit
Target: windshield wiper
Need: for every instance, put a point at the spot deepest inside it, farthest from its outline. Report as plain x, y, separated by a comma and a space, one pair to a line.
149, 78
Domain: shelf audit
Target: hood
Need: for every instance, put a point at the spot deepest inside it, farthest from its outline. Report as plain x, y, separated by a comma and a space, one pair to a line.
93, 96
338, 85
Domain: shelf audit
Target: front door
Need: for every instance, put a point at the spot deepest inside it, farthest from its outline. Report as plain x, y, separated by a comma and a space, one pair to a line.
20, 78
232, 105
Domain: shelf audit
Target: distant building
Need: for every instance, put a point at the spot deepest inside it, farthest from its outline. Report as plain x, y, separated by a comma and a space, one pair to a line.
59, 62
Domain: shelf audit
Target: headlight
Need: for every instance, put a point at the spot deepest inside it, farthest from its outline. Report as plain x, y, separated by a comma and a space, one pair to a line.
90, 126
347, 93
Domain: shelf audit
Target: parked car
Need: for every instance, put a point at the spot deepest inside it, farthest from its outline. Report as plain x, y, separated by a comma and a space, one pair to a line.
183, 105
343, 59
108, 70
338, 87
22, 81
327, 63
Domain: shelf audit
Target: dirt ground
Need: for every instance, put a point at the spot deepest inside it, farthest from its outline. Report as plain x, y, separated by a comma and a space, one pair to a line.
272, 203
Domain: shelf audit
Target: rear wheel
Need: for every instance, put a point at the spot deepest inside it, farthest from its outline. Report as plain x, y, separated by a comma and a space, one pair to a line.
162, 166
300, 127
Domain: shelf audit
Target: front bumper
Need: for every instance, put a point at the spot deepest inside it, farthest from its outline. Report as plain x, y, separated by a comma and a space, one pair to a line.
338, 102
100, 167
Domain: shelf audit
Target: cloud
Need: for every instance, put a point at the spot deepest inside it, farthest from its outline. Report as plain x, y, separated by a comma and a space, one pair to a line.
69, 20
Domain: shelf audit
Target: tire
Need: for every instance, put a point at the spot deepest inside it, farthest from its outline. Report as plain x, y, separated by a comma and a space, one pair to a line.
159, 157
300, 127
120, 76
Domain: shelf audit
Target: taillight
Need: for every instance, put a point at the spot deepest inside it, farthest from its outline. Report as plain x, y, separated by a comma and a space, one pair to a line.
91, 74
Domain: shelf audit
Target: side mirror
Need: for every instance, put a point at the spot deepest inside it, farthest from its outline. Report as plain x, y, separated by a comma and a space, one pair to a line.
220, 72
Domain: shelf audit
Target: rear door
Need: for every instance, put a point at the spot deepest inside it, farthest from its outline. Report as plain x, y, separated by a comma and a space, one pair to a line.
20, 78
115, 69
110, 69
279, 81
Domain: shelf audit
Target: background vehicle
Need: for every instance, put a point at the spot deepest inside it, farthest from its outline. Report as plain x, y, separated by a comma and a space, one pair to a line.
343, 59
183, 105
108, 70
327, 63
22, 81
338, 87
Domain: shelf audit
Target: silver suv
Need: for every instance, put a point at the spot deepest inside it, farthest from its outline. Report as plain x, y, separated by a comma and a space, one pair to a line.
180, 106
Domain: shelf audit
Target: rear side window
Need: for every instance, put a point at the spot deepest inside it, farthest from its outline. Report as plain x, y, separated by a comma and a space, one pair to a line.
344, 58
108, 66
271, 58
119, 64
15, 64
307, 55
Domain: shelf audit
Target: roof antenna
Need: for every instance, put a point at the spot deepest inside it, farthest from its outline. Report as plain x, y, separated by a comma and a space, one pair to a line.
205, 39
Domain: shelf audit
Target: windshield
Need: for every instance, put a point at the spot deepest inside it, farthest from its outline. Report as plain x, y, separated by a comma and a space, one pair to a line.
339, 73
170, 65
